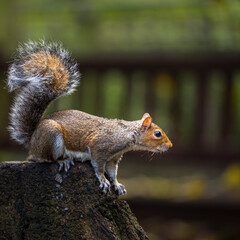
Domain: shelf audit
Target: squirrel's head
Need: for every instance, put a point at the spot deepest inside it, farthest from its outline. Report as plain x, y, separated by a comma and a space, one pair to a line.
152, 137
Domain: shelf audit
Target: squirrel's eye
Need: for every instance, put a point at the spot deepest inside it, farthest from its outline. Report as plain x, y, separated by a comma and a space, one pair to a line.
157, 134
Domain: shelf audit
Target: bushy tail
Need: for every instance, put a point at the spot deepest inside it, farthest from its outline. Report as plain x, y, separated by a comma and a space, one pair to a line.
44, 72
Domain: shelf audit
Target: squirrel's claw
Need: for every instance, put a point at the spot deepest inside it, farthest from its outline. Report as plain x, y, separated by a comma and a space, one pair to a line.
104, 185
66, 163
120, 189
60, 166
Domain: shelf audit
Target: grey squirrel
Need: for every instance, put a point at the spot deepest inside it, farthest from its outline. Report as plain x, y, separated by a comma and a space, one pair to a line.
44, 72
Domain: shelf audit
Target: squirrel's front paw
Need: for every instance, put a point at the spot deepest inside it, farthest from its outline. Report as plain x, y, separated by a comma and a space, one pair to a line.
104, 185
120, 189
66, 164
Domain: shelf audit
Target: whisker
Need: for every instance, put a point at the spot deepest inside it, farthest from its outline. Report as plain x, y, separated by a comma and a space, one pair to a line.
151, 156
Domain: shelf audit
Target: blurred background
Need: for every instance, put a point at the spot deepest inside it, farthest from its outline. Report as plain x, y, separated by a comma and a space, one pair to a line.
179, 60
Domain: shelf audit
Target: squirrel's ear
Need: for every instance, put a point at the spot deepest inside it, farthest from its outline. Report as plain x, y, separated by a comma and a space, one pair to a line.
145, 115
147, 121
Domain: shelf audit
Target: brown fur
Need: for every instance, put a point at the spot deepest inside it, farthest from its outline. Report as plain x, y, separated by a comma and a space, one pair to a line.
46, 63
41, 145
105, 137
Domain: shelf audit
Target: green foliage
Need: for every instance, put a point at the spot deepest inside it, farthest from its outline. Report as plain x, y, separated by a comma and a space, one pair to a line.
91, 27
236, 107
187, 106
5, 104
179, 182
215, 101
114, 94
7, 156
231, 177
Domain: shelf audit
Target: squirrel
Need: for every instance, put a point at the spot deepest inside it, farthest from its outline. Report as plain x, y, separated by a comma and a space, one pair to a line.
46, 71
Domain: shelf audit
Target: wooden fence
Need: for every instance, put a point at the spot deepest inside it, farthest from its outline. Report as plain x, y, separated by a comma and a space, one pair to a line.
164, 75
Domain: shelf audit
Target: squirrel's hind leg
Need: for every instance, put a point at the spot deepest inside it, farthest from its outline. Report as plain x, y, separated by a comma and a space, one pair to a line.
71, 156
48, 146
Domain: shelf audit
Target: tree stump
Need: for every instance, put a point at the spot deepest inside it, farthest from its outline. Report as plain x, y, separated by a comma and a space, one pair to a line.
36, 202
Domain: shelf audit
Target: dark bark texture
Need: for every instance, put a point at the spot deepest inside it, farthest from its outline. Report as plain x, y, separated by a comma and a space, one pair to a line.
36, 202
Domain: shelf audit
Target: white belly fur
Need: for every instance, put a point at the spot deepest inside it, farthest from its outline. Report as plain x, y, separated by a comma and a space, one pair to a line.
81, 156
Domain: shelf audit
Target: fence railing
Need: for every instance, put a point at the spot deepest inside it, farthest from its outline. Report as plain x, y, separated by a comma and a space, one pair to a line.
192, 96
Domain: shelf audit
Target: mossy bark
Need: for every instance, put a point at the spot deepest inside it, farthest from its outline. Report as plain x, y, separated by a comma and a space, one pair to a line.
38, 203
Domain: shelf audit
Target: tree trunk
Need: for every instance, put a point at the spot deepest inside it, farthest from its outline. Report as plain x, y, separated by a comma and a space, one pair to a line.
36, 202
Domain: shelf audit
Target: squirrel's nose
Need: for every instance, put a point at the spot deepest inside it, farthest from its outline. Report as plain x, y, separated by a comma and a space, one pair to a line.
170, 144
